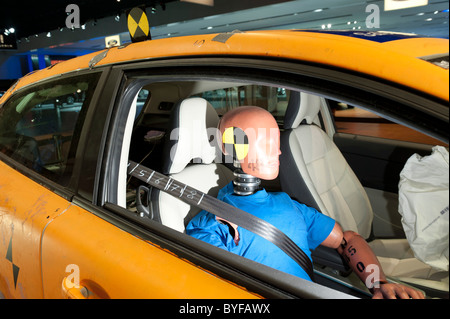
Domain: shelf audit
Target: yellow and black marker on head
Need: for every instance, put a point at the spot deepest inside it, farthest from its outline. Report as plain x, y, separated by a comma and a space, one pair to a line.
235, 142
138, 25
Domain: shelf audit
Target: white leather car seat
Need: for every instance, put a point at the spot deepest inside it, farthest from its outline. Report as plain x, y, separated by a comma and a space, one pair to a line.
315, 172
189, 158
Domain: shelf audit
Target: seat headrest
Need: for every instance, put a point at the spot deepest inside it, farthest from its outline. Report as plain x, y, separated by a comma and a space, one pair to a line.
301, 107
194, 122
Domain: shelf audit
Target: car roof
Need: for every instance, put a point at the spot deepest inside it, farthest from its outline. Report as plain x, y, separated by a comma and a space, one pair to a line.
405, 59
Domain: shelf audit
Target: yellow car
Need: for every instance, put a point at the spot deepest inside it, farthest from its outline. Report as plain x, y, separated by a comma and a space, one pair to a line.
79, 218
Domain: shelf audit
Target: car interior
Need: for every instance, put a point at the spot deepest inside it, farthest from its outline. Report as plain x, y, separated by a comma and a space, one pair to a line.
41, 123
171, 127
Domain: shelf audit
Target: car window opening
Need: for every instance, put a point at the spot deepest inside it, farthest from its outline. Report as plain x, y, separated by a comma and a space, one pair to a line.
40, 127
153, 128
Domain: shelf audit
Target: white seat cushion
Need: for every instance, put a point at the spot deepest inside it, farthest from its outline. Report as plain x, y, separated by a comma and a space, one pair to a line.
208, 178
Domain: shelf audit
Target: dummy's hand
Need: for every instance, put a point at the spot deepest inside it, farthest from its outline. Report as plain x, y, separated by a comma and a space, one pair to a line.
396, 291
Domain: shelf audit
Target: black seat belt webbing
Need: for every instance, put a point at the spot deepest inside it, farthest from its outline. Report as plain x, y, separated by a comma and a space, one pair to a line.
223, 210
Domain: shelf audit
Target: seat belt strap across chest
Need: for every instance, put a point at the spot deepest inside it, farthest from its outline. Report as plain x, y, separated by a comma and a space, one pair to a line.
223, 210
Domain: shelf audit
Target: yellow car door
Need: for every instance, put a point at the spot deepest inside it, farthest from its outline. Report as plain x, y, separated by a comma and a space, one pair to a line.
26, 208
84, 256
39, 134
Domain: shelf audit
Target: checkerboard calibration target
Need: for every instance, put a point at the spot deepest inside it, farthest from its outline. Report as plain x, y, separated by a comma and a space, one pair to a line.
138, 25
235, 142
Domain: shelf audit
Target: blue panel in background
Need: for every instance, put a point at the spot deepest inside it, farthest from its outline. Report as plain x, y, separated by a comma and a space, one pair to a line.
377, 36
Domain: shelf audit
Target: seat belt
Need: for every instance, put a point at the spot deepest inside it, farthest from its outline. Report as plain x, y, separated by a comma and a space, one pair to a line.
223, 210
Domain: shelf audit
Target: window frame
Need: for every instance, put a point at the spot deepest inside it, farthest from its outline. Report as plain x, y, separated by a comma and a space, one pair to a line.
66, 191
374, 119
288, 74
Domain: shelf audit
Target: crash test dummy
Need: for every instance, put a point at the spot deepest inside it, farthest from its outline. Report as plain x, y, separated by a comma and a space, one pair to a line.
251, 135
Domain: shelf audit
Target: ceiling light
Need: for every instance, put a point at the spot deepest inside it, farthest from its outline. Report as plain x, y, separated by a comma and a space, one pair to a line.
329, 25
429, 19
11, 30
49, 35
323, 26
318, 10
396, 4
209, 28
211, 17
202, 2
117, 18
421, 13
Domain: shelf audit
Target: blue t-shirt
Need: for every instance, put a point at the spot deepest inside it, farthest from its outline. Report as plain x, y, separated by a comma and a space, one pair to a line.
304, 225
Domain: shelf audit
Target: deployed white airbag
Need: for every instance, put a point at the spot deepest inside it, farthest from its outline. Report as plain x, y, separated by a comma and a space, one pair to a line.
424, 206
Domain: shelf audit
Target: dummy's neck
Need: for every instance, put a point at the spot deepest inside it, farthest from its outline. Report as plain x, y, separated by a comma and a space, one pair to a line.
245, 184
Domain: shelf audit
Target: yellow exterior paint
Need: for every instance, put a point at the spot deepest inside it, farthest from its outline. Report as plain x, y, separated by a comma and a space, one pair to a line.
395, 61
25, 209
114, 264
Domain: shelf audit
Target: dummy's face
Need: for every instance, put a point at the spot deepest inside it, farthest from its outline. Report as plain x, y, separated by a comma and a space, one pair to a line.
252, 134
263, 156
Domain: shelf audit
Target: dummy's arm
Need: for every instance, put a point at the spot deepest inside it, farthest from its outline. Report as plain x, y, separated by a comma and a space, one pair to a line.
365, 264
